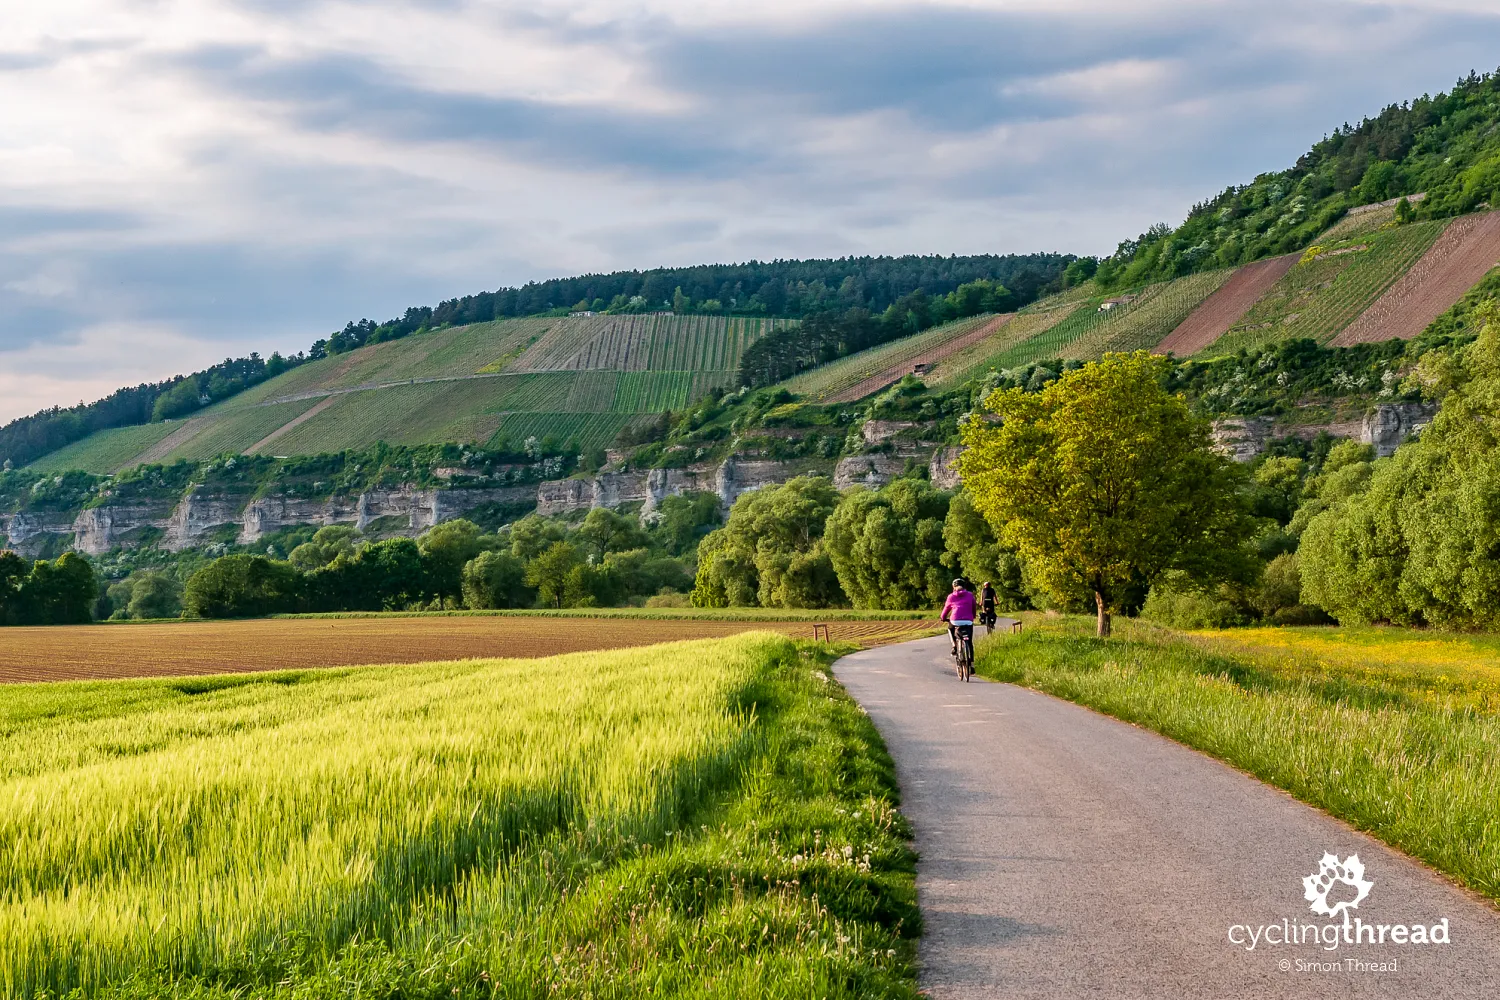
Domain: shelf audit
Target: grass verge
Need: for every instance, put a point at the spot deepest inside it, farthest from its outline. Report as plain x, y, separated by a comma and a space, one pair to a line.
705, 819
1404, 748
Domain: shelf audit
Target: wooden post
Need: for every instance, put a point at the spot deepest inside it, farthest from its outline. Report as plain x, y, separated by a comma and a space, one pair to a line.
826, 636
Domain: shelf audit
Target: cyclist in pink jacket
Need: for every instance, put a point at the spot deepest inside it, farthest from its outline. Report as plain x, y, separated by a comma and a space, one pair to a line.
958, 612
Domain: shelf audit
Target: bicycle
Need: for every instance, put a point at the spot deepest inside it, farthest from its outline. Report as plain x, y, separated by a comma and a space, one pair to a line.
963, 649
988, 616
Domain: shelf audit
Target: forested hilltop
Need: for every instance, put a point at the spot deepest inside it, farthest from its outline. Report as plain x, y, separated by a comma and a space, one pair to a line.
1445, 149
791, 289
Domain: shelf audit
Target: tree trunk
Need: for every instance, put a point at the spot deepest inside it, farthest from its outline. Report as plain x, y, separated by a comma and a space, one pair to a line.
1103, 631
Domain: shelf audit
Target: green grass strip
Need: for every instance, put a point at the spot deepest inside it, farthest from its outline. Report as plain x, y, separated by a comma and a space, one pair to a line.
1399, 753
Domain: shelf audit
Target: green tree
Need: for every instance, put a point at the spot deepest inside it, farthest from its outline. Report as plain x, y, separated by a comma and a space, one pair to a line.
242, 586
972, 550
182, 398
1415, 538
603, 531
446, 549
1277, 488
496, 580
532, 534
1103, 481
154, 595
60, 592
683, 519
548, 572
330, 542
887, 545
770, 551
397, 570
13, 572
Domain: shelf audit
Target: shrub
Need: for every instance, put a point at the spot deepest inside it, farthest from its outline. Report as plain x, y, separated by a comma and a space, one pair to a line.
241, 586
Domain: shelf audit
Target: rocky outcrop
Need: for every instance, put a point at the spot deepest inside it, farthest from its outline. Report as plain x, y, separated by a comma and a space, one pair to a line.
200, 512
872, 471
876, 431
1242, 438
942, 469
738, 476
99, 529
29, 533
1385, 426
1389, 424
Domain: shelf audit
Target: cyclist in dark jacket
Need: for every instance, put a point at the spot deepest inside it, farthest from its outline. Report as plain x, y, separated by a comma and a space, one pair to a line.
987, 604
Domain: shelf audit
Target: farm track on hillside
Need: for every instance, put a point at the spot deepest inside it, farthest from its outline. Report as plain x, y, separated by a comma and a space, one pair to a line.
834, 381
1464, 254
175, 649
1224, 308
931, 355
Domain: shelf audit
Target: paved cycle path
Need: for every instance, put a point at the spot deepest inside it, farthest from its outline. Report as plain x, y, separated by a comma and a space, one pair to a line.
1066, 854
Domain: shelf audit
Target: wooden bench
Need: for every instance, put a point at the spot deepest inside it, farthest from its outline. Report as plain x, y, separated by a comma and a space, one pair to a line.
1013, 624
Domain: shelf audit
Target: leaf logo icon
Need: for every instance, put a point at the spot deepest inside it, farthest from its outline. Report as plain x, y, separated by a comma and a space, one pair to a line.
1333, 872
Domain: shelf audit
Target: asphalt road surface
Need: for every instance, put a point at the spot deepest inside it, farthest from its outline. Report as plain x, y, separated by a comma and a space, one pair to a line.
1066, 854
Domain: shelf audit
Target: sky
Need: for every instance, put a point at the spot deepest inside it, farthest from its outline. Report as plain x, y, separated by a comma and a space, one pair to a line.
187, 180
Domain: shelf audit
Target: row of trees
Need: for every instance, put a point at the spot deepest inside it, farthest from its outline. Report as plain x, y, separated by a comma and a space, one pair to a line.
1098, 488
605, 559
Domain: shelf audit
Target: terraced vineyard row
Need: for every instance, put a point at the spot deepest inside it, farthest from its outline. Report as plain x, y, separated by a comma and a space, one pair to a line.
107, 451
1142, 325
977, 359
652, 342
1320, 296
590, 430
652, 392
1056, 338
591, 392
1457, 261
833, 379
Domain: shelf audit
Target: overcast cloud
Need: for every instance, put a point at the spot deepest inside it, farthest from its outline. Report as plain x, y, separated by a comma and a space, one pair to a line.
183, 180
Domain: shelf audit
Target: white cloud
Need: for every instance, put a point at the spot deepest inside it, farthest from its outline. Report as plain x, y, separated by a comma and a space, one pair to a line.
240, 176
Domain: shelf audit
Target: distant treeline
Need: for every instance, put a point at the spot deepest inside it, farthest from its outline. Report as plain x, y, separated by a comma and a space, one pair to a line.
26, 439
825, 336
786, 288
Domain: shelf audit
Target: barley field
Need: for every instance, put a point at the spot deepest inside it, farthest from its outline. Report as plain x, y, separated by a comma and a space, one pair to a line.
172, 649
710, 818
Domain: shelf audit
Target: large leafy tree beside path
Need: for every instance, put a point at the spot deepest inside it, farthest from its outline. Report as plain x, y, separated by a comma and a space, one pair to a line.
1103, 481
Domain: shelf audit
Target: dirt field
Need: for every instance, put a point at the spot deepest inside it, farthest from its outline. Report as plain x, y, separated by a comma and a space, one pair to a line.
1461, 256
187, 648
1224, 307
895, 373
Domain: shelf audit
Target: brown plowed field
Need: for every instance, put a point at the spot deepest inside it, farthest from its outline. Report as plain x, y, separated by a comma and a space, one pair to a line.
1465, 252
895, 373
171, 649
1224, 307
